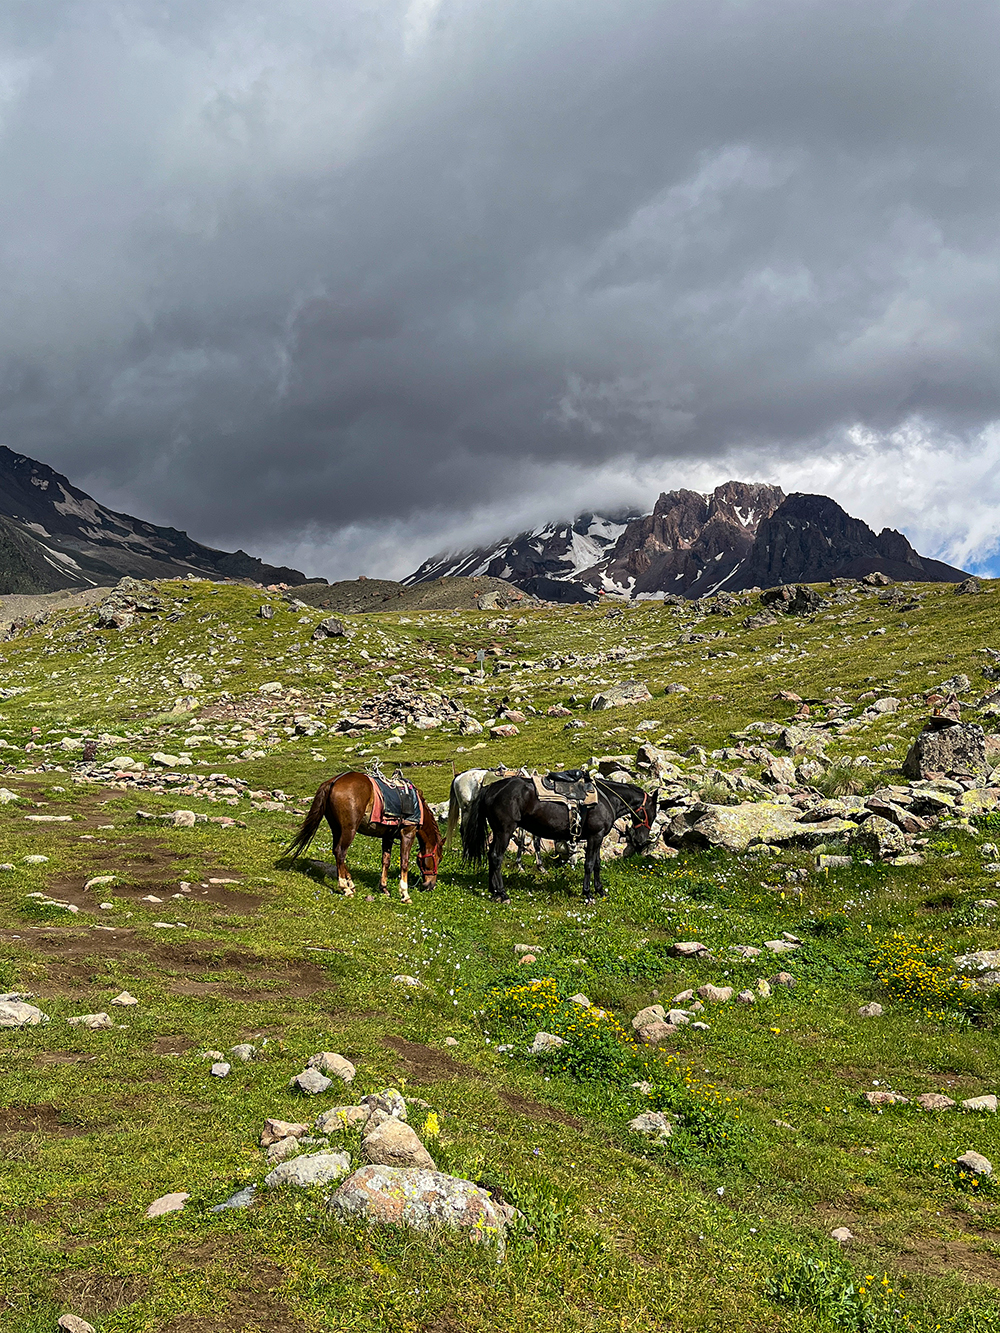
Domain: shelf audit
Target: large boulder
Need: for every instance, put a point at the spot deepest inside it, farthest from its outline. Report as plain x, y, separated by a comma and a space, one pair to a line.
17, 1014
421, 1199
617, 696
737, 827
960, 748
321, 1168
879, 838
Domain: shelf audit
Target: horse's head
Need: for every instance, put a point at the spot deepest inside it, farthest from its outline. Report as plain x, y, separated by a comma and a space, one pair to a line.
429, 859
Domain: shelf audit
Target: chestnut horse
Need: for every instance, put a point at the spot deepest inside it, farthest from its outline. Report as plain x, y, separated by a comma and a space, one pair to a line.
346, 802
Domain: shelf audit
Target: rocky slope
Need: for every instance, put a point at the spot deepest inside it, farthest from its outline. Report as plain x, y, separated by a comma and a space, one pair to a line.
742, 535
54, 536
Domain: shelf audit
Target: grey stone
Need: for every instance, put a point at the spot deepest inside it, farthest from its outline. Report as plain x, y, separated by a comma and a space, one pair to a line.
389, 1101
244, 1051
277, 1152
872, 1010
876, 1100
879, 838
220, 1069
715, 994
746, 997
330, 628
72, 1323
618, 696
314, 1169
653, 1013
783, 979
780, 946
934, 1101
310, 1081
241, 1199
842, 1235
93, 1021
654, 1033
423, 1200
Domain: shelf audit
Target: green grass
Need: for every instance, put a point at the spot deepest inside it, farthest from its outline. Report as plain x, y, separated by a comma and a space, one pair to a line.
723, 1226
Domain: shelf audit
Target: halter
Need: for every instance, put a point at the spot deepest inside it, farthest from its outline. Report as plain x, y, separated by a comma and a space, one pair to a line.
640, 815
428, 861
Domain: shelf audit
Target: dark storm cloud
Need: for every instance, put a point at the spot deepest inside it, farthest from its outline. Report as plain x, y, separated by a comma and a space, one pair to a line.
281, 269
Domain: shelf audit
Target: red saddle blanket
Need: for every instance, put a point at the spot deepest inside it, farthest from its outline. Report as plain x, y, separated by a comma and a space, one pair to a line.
394, 802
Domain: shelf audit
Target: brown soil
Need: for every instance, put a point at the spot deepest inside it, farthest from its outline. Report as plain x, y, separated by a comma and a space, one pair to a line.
445, 1322
172, 1045
929, 1254
90, 1292
63, 1058
539, 1111
42, 1118
426, 1064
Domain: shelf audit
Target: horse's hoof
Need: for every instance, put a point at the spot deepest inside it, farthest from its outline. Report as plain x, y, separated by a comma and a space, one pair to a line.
406, 900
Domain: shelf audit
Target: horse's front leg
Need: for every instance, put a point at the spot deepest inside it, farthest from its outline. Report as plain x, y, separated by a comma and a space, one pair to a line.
537, 844
497, 848
383, 883
592, 869
406, 837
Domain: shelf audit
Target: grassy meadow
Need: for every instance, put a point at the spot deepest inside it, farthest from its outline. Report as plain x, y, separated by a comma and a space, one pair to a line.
724, 1226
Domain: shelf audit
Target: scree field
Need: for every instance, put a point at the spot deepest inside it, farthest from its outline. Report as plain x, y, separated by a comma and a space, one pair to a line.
725, 1223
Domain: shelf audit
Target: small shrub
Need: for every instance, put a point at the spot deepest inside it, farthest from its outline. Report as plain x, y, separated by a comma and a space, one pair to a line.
841, 779
829, 1289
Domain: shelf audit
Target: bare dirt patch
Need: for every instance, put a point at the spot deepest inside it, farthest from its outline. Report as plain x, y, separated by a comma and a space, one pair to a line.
40, 1118
538, 1111
930, 1254
427, 1064
174, 1045
92, 1292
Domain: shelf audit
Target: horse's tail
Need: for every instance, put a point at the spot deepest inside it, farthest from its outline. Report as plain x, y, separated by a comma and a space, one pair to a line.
474, 829
311, 822
453, 814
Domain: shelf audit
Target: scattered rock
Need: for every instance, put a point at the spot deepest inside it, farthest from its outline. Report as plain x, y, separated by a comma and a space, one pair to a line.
393, 1143
244, 1051
328, 1062
934, 1101
879, 838
339, 1118
763, 988
985, 1103
72, 1323
974, 1162
872, 1010
783, 979
653, 1013
277, 1152
220, 1069
96, 1022
330, 628
546, 1041
388, 1102
281, 1129
877, 1100
167, 1203
688, 949
746, 997
310, 1081
241, 1199
424, 1200
654, 1033
618, 696
715, 994
17, 1014
842, 1235
125, 1000
780, 946
401, 979
652, 1123
320, 1168
939, 749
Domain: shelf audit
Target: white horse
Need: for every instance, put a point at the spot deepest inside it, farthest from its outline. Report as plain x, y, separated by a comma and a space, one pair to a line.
465, 787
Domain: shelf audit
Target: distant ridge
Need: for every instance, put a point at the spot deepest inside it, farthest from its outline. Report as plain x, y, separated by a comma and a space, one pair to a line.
742, 535
53, 536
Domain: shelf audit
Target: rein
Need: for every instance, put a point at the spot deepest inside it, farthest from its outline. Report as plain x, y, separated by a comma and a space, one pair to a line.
640, 816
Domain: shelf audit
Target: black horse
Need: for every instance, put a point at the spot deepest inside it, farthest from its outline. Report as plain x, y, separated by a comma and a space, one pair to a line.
513, 803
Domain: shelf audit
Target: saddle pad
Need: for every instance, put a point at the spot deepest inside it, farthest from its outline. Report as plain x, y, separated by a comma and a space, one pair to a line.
555, 787
395, 802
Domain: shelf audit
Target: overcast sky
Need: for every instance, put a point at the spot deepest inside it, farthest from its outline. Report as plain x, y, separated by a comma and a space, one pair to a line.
346, 283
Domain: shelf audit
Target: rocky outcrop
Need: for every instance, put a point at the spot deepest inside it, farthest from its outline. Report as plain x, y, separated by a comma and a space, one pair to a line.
809, 539
742, 535
54, 536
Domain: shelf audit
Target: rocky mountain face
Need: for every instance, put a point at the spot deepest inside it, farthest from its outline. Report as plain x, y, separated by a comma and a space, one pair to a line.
742, 535
54, 536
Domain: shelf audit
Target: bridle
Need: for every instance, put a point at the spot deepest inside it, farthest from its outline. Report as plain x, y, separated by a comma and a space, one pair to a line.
638, 815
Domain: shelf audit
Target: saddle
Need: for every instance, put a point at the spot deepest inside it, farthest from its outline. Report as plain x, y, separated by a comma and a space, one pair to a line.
570, 787
395, 801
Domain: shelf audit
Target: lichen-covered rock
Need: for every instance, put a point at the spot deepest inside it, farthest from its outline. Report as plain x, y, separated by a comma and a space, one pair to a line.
872, 1010
737, 827
310, 1081
339, 1118
653, 1013
394, 1143
617, 696
974, 1162
315, 1169
653, 1123
389, 1102
934, 1101
986, 1103
715, 994
546, 1041
879, 838
960, 748
876, 1100
421, 1199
